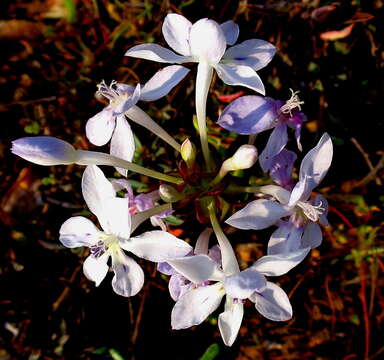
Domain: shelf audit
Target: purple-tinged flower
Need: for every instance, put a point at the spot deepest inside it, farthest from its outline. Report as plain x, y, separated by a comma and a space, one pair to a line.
205, 41
197, 303
281, 169
114, 219
302, 230
110, 123
254, 114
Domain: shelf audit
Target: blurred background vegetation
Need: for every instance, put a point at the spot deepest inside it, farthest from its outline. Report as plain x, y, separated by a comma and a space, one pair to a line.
54, 52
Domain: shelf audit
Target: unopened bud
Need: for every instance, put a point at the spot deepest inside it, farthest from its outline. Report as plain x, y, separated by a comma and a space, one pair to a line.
244, 158
169, 193
188, 152
45, 150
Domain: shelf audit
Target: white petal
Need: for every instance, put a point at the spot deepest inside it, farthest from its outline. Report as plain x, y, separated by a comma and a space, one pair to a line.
96, 188
240, 75
100, 127
178, 286
157, 246
231, 31
312, 236
197, 268
244, 283
276, 142
78, 231
196, 305
116, 219
207, 41
163, 82
176, 30
258, 214
122, 142
279, 193
129, 277
279, 264
126, 101
315, 165
202, 242
157, 53
273, 303
254, 53
285, 239
95, 269
230, 321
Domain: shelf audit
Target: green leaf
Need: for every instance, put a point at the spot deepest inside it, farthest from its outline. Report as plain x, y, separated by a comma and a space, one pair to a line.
173, 220
211, 353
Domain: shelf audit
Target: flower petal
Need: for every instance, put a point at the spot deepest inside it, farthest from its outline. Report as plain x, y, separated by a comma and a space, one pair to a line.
100, 127
129, 277
157, 53
163, 82
276, 142
196, 305
202, 242
122, 142
78, 231
254, 53
126, 101
285, 239
116, 218
240, 75
157, 246
96, 269
312, 236
197, 268
176, 30
249, 115
273, 303
320, 200
281, 168
178, 285
258, 214
279, 264
231, 31
96, 188
207, 41
244, 283
314, 167
280, 194
230, 321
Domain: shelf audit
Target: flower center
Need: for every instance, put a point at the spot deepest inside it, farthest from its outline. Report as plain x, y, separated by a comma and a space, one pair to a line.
312, 212
98, 249
292, 103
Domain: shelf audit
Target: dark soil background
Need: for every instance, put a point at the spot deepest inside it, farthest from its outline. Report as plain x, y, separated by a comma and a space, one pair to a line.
54, 52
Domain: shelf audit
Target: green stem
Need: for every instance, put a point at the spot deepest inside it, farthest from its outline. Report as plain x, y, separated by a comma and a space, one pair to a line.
98, 158
140, 217
140, 117
229, 261
235, 189
203, 81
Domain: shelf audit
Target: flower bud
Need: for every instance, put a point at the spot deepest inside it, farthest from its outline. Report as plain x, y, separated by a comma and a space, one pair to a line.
169, 193
45, 150
244, 158
188, 152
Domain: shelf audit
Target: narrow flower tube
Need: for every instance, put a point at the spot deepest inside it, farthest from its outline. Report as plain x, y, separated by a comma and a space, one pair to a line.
47, 150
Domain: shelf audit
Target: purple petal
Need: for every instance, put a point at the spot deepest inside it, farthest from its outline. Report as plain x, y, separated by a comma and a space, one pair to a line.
285, 239
244, 283
281, 168
231, 31
249, 115
276, 142
312, 236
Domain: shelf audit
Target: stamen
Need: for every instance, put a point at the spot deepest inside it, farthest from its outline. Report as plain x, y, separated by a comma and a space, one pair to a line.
312, 212
292, 103
108, 92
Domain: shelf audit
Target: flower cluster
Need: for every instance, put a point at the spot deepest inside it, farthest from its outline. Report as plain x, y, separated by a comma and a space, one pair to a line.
203, 274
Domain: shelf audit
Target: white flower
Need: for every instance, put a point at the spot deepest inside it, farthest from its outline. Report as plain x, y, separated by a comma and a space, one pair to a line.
205, 41
114, 218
